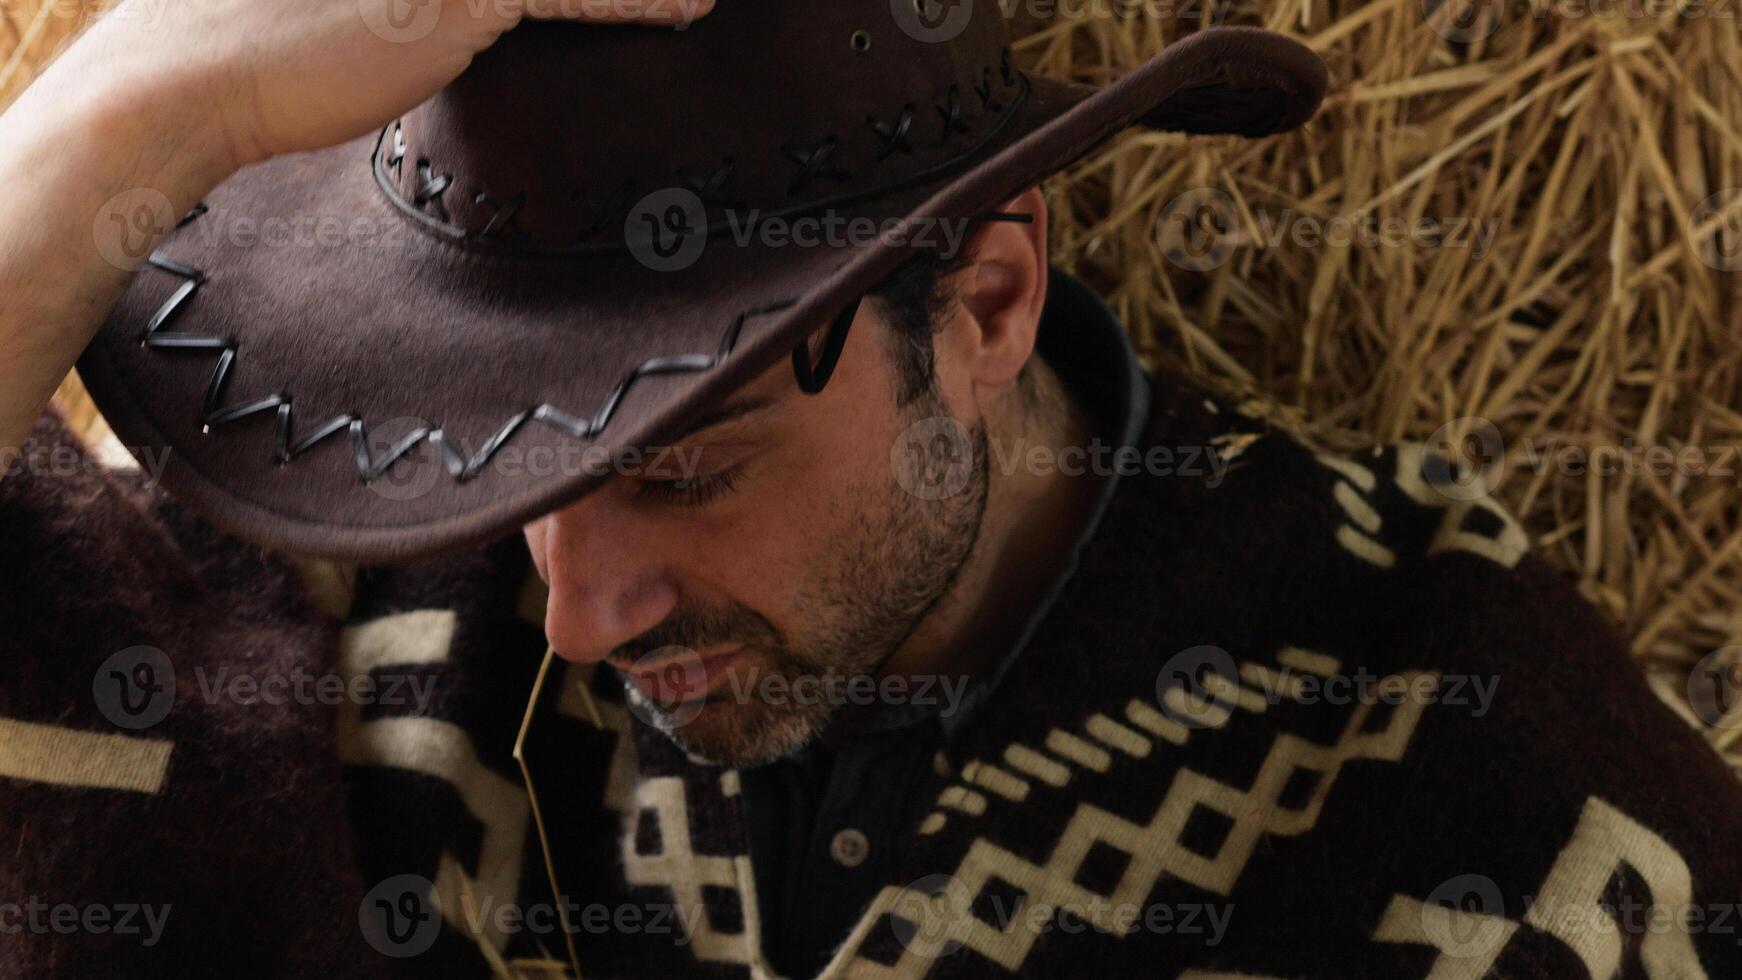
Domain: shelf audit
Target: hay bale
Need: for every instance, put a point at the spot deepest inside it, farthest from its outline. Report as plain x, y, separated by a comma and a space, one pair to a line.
1598, 155
1592, 313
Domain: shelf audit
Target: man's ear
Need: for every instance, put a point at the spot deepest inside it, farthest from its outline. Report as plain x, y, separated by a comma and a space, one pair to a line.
1002, 293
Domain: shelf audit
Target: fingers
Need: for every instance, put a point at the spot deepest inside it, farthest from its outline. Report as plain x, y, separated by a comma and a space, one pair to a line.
662, 12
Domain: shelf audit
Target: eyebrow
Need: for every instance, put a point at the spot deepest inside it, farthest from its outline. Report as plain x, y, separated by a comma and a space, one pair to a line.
730, 411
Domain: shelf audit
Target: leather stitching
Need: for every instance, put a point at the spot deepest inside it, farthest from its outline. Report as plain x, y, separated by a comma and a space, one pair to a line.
812, 161
370, 466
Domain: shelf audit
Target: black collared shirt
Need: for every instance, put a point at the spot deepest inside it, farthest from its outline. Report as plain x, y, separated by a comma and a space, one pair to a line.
823, 822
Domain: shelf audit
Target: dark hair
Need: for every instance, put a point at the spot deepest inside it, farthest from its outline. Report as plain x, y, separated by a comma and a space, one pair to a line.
913, 299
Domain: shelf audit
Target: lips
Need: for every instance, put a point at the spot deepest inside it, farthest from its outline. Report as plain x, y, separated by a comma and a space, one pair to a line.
673, 679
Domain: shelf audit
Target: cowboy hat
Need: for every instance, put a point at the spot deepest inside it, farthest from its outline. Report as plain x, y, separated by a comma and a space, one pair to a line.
427, 336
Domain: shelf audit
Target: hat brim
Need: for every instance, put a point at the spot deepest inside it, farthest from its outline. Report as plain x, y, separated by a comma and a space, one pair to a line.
304, 304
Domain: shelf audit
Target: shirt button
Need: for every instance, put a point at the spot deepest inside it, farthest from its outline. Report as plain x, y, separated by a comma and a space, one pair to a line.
940, 764
849, 848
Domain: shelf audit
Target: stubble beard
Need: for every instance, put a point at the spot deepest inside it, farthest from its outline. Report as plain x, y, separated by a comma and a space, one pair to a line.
882, 576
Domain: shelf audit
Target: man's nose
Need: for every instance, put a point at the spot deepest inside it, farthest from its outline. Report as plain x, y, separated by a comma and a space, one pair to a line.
607, 586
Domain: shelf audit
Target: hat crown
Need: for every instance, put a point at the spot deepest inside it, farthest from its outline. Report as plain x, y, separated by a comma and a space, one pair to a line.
555, 135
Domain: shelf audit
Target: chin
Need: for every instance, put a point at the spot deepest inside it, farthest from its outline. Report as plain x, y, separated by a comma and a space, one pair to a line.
738, 736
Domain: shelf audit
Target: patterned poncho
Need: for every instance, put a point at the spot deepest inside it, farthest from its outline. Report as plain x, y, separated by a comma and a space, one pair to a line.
1326, 718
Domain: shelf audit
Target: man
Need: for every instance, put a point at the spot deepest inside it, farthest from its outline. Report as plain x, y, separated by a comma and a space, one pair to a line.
926, 635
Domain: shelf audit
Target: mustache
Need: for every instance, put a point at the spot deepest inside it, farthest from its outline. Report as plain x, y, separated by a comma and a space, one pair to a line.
697, 628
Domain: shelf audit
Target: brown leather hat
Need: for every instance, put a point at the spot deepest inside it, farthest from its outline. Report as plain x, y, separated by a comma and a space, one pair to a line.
425, 337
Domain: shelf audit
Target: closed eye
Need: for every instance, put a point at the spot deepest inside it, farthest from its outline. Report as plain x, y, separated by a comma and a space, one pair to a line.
694, 491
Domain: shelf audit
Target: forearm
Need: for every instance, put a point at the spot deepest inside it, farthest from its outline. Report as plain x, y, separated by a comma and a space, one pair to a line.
159, 102
100, 160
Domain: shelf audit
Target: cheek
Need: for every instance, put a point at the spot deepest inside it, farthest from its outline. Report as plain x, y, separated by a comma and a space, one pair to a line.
752, 555
765, 551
